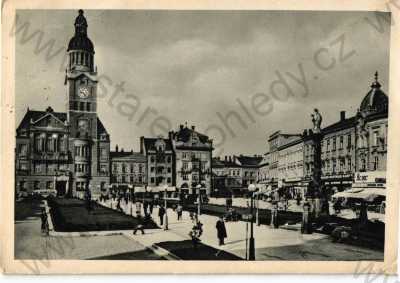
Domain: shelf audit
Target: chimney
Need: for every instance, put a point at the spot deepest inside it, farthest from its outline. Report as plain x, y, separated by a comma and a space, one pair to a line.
342, 115
122, 149
181, 126
193, 127
230, 158
116, 148
226, 158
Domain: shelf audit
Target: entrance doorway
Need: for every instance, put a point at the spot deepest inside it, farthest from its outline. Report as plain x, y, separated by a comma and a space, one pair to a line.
61, 188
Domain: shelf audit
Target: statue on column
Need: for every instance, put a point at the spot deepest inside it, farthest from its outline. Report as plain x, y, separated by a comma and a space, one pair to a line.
316, 119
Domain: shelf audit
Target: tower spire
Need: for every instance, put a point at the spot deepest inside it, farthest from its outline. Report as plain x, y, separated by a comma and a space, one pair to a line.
376, 83
80, 24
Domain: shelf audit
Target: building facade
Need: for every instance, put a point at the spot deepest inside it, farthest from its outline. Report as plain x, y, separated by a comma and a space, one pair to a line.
193, 155
338, 154
67, 152
290, 166
160, 161
128, 169
276, 141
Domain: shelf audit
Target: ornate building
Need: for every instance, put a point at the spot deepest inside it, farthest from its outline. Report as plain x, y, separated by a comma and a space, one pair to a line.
160, 161
67, 152
372, 129
193, 154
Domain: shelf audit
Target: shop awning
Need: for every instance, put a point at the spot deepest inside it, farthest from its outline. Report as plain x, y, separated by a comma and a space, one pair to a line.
160, 189
368, 194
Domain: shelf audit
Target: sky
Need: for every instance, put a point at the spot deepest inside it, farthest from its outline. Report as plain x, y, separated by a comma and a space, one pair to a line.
238, 76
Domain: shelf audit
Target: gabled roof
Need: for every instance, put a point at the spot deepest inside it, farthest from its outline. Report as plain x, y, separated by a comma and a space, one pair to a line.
149, 143
184, 134
36, 115
100, 127
249, 161
217, 163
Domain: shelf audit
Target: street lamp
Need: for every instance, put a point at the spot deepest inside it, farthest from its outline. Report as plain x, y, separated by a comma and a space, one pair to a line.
198, 200
252, 253
165, 204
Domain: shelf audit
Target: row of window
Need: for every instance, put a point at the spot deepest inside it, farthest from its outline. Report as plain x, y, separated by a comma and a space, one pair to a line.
82, 150
160, 159
160, 169
48, 143
82, 106
46, 168
82, 167
195, 177
126, 167
81, 58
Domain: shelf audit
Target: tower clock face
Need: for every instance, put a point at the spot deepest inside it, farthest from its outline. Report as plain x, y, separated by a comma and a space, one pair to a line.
83, 92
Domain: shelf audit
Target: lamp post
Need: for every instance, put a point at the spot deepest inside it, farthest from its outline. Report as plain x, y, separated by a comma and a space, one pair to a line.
257, 209
198, 200
165, 204
252, 252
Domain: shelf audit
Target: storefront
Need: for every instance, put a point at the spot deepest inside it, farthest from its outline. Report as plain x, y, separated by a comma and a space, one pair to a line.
337, 183
367, 186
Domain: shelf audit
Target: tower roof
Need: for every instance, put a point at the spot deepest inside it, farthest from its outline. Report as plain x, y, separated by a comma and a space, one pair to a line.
80, 41
375, 101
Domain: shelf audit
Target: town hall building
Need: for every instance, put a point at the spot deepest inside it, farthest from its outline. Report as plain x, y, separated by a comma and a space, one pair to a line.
67, 152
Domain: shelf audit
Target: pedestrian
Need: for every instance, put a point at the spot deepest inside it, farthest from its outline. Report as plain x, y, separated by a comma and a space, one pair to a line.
45, 223
298, 199
151, 206
161, 213
139, 225
179, 211
221, 230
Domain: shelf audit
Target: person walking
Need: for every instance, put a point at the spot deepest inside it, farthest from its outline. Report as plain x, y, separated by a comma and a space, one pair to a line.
161, 213
139, 225
221, 230
179, 211
45, 223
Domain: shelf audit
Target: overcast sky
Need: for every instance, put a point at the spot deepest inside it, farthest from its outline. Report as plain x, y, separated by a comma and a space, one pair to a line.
197, 67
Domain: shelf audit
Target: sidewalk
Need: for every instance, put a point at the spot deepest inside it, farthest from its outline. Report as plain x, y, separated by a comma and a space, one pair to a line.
271, 244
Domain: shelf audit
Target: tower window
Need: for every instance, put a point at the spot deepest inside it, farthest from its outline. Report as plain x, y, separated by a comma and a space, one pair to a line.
82, 106
88, 106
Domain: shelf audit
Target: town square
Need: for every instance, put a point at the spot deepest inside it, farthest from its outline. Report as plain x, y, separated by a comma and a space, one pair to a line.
193, 191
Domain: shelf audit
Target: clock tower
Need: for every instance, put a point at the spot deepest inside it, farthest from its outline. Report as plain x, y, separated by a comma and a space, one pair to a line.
89, 141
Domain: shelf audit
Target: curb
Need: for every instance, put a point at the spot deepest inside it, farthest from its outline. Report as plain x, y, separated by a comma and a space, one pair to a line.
166, 254
163, 252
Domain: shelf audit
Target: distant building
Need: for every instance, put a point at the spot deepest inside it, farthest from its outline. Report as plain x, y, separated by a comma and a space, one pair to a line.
67, 151
275, 141
192, 154
290, 165
235, 173
128, 169
160, 161
263, 171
